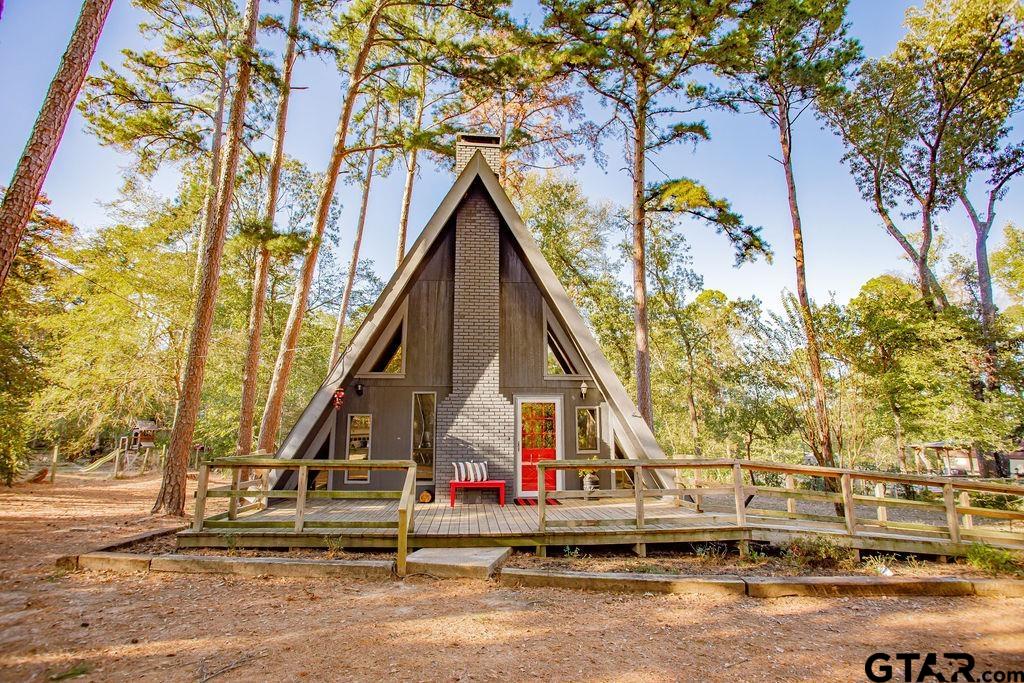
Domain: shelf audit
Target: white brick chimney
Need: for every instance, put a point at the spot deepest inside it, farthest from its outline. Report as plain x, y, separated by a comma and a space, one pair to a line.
467, 144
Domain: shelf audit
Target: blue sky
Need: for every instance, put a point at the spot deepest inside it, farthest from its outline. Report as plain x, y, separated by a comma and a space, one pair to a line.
845, 242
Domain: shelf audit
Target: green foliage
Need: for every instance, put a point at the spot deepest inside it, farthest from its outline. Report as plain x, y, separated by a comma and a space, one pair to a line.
994, 560
25, 342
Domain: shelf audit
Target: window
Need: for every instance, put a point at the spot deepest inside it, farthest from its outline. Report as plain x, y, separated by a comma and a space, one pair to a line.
557, 362
390, 360
357, 446
423, 434
587, 430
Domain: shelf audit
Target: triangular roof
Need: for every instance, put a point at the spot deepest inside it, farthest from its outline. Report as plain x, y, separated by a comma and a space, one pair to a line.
637, 438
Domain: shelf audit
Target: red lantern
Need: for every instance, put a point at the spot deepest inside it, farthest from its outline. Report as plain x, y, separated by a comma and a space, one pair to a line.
339, 398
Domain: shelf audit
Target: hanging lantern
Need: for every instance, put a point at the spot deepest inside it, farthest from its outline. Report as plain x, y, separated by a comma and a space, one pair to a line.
339, 398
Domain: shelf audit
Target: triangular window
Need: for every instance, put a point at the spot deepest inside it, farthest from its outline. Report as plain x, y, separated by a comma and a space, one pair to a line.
389, 362
557, 362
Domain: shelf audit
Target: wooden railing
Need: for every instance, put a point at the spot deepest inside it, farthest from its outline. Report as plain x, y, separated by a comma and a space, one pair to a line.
243, 497
956, 500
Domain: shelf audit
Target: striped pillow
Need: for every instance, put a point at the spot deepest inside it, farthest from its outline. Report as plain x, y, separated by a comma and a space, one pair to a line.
470, 471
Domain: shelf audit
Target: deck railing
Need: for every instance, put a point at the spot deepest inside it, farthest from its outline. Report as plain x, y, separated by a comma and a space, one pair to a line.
253, 494
956, 502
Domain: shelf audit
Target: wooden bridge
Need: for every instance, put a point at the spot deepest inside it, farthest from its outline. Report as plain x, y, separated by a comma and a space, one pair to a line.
712, 500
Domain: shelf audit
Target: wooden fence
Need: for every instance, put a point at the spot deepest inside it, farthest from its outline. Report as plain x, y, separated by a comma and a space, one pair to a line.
254, 494
956, 494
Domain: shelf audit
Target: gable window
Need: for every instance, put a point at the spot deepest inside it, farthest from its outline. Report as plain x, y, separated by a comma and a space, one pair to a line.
423, 414
357, 446
390, 360
587, 430
386, 358
557, 361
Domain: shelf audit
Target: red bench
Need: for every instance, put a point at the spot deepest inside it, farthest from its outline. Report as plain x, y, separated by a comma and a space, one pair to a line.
486, 484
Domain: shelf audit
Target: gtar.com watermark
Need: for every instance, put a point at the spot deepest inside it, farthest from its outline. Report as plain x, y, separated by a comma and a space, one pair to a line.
919, 667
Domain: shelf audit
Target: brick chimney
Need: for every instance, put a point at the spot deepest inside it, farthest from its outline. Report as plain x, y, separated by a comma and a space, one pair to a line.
467, 144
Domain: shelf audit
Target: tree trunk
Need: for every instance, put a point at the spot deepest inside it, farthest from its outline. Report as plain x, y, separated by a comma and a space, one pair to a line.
901, 448
350, 281
822, 429
171, 498
410, 175
259, 294
982, 228
286, 353
27, 182
639, 224
210, 204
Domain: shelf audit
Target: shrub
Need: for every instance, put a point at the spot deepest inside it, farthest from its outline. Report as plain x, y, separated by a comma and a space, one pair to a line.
994, 560
820, 552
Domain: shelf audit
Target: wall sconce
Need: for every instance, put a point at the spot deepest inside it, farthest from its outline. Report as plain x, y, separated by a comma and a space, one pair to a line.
359, 388
583, 390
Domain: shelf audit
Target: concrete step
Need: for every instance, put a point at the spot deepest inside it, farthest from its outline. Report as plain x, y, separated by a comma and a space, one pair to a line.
474, 563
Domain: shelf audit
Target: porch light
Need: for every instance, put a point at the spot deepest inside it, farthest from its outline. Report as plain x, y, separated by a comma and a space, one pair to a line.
359, 388
583, 390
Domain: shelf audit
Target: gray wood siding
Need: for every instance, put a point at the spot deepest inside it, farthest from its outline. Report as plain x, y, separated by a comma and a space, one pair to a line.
523, 355
427, 368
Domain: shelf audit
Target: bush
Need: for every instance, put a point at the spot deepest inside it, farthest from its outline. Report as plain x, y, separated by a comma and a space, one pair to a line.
994, 560
820, 552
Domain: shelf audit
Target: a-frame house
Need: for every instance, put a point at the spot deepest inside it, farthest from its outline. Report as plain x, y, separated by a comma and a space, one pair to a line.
473, 353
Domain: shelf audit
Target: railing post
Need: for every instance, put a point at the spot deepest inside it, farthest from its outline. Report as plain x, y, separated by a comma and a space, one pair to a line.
542, 495
848, 511
883, 511
790, 500
638, 494
204, 480
698, 500
403, 540
952, 521
965, 501
264, 489
300, 497
737, 485
233, 500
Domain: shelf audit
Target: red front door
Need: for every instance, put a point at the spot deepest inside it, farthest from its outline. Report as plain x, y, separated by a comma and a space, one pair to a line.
538, 441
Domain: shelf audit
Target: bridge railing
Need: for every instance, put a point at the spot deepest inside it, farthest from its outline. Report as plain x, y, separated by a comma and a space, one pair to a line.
955, 499
255, 493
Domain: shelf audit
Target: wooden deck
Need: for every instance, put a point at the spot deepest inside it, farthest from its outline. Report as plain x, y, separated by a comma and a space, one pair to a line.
864, 511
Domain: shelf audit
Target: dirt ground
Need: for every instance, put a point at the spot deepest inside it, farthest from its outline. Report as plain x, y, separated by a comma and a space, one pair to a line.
177, 627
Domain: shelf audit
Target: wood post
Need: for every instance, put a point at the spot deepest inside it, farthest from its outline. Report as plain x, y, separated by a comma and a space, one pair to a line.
145, 461
204, 480
264, 489
300, 497
952, 519
403, 540
965, 501
791, 503
53, 462
737, 485
236, 473
883, 512
698, 500
542, 495
638, 494
848, 510
117, 463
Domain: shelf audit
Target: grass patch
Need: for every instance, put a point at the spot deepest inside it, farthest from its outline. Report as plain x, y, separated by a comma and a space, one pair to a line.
994, 560
819, 552
77, 670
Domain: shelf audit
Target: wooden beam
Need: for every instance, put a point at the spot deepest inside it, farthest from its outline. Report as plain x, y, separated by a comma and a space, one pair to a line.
638, 490
952, 519
201, 486
882, 512
848, 510
236, 476
542, 495
300, 501
738, 494
790, 500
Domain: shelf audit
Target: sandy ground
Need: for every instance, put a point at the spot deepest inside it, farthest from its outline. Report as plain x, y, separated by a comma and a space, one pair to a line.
152, 627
